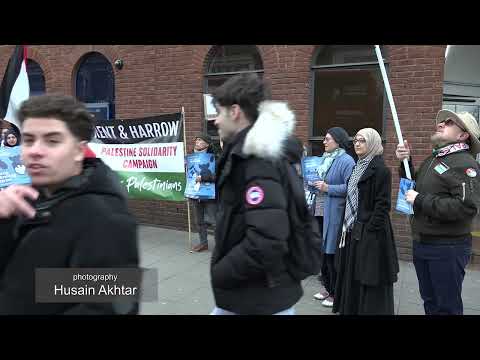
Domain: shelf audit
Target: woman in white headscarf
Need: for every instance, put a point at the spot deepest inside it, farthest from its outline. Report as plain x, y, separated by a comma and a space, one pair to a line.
366, 260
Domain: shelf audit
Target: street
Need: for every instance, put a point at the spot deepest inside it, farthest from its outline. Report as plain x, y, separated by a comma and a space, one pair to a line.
184, 280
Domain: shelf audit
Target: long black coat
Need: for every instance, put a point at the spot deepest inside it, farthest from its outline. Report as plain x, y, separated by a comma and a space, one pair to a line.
85, 224
377, 261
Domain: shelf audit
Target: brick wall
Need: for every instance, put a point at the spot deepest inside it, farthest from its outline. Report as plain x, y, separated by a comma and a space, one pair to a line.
160, 79
287, 69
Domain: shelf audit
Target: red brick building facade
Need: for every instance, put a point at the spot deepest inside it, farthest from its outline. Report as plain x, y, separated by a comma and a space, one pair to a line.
157, 79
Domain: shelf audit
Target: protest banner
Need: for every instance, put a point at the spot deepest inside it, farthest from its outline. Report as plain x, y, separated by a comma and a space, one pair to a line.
146, 153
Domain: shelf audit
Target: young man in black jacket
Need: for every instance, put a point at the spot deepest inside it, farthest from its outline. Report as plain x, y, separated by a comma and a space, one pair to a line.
74, 215
248, 270
445, 202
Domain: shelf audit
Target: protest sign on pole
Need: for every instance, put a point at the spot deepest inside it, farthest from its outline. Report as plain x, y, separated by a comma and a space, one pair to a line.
392, 106
146, 153
405, 184
188, 202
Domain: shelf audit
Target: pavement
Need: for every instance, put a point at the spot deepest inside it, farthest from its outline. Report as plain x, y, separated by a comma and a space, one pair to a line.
184, 280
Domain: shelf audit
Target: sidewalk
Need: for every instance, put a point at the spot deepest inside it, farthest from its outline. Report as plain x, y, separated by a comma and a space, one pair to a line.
184, 280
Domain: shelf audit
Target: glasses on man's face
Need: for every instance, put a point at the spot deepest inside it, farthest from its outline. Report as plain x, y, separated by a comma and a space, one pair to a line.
359, 141
450, 122
327, 139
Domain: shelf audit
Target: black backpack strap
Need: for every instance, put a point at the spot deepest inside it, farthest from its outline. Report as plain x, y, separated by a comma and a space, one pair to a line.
282, 166
295, 188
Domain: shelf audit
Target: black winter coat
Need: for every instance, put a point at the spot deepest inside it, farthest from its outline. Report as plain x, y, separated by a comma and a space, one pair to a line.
248, 271
84, 224
377, 261
447, 200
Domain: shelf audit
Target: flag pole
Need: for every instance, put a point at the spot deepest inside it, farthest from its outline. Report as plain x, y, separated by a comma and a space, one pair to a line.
392, 107
446, 51
188, 202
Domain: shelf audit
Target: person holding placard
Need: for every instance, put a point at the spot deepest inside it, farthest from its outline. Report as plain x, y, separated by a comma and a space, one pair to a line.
335, 171
205, 209
445, 202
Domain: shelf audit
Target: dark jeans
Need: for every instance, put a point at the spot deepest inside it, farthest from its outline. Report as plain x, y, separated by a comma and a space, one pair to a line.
327, 271
329, 275
320, 253
204, 216
440, 272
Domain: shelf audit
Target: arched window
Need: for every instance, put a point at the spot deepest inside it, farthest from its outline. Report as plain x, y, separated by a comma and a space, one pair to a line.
348, 91
36, 79
95, 85
225, 62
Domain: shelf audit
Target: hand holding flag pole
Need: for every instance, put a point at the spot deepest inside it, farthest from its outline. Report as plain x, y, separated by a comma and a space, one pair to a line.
392, 107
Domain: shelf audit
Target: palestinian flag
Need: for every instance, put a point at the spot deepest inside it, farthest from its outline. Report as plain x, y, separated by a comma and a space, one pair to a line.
15, 87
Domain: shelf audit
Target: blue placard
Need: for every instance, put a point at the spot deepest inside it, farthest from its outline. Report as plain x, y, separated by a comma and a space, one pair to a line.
12, 171
402, 205
200, 164
310, 165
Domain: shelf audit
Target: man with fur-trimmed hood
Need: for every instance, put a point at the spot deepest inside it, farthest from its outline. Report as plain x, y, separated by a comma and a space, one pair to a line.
248, 269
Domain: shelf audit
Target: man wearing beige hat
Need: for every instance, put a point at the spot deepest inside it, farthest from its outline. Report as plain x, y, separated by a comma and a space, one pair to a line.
445, 202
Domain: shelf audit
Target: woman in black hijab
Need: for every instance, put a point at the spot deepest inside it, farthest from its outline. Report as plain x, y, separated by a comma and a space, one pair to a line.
11, 138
